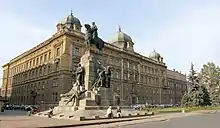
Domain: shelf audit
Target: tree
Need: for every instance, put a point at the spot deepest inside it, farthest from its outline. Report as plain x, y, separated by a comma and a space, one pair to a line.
210, 78
197, 94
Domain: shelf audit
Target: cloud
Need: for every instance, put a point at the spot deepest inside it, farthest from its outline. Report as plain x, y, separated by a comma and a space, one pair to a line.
17, 36
192, 36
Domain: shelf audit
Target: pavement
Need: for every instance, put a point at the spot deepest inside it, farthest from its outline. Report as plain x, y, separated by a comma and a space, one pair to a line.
210, 120
24, 121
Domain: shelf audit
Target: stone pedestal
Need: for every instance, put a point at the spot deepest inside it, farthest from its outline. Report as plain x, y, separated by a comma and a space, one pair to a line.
91, 62
92, 99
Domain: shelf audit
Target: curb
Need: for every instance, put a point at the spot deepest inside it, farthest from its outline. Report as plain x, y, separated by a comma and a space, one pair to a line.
95, 123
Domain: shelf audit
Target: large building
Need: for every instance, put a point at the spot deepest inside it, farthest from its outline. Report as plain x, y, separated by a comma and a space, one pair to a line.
41, 74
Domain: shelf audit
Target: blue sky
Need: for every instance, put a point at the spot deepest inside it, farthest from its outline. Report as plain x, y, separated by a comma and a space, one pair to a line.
182, 31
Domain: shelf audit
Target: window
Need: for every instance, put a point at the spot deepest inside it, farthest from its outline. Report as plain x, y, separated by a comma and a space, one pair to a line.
57, 66
43, 85
130, 66
56, 99
53, 97
141, 78
40, 71
76, 51
33, 62
136, 77
117, 62
30, 64
49, 55
130, 77
55, 82
49, 69
125, 76
38, 85
111, 60
134, 67
58, 51
37, 61
41, 58
117, 74
36, 73
44, 70
45, 57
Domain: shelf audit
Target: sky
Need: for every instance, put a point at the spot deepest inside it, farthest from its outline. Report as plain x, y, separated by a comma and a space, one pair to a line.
182, 31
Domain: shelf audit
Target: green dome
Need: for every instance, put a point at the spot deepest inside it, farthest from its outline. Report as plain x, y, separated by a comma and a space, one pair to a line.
70, 19
120, 37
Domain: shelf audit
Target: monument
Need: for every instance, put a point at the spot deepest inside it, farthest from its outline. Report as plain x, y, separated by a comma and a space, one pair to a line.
90, 94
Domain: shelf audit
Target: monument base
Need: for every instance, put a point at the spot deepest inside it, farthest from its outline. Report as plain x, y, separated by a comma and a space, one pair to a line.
76, 113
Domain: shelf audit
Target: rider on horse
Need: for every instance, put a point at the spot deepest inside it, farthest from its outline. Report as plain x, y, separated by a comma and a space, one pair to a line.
92, 37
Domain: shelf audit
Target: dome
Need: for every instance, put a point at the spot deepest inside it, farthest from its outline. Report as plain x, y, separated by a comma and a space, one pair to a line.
70, 19
120, 37
154, 54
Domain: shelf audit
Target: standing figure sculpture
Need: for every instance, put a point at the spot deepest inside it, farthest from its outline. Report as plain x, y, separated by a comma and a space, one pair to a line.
75, 94
80, 75
104, 78
108, 76
91, 37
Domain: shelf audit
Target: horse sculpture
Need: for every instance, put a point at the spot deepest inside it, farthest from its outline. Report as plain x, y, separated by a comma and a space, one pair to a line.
98, 42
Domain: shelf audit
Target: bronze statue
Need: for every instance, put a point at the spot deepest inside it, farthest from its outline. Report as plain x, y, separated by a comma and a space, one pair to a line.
94, 31
108, 76
80, 72
104, 78
91, 37
73, 95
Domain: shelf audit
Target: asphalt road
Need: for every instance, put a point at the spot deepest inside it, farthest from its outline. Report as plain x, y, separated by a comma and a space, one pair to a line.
196, 121
13, 113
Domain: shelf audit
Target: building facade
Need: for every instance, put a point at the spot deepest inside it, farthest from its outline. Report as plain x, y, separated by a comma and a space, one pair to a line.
41, 74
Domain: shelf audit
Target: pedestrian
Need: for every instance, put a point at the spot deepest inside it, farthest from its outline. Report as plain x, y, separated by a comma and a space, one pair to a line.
38, 108
118, 111
30, 110
50, 112
109, 112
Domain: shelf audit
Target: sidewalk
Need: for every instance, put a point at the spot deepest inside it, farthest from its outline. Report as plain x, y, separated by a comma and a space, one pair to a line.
43, 122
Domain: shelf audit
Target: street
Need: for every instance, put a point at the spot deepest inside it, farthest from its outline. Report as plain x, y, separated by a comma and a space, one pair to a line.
198, 121
17, 118
194, 121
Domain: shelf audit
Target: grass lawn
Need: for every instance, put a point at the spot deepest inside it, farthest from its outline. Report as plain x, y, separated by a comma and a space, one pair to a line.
179, 109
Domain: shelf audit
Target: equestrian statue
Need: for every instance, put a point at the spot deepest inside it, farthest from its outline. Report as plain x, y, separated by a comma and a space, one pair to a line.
91, 37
